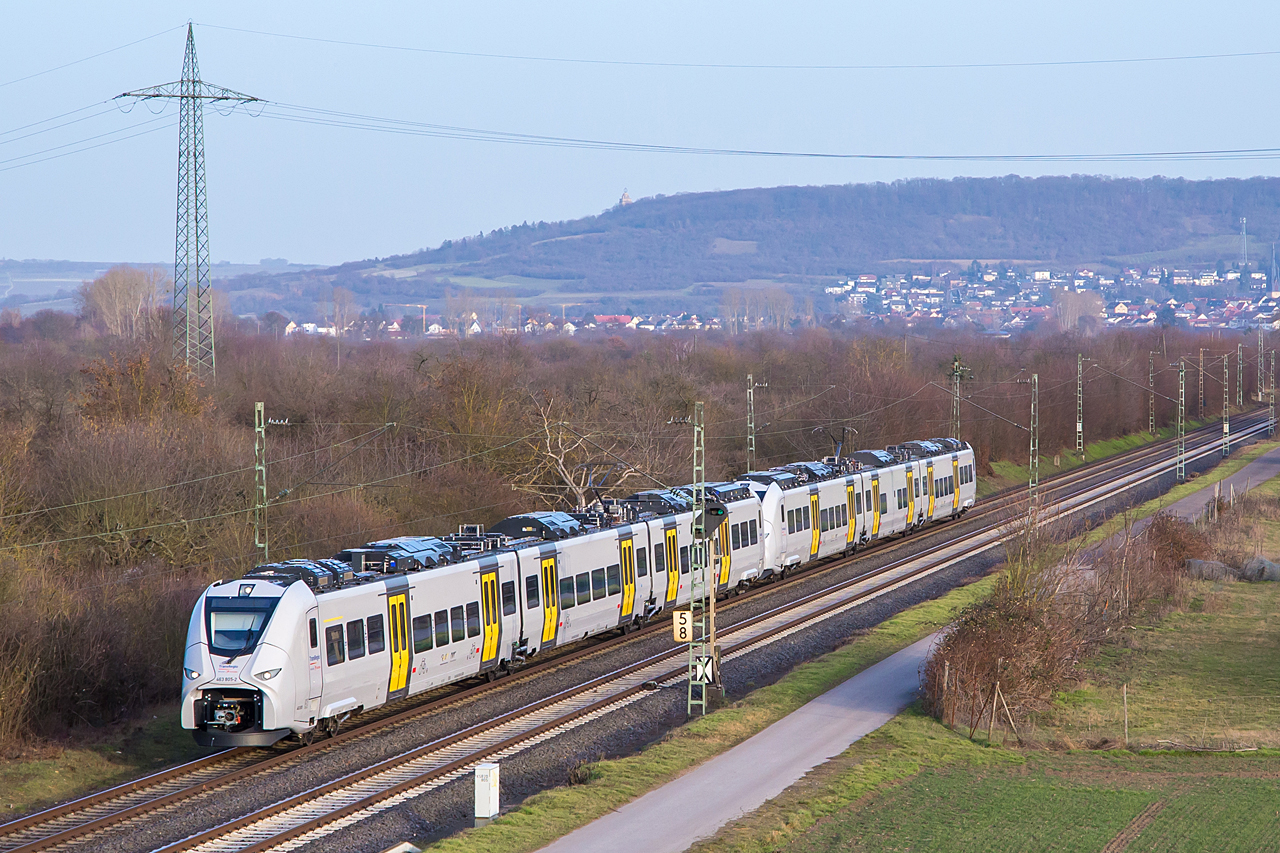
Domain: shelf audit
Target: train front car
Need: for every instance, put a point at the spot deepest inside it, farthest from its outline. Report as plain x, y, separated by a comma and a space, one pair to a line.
245, 661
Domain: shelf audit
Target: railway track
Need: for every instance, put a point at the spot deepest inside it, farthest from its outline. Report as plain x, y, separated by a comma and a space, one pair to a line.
298, 820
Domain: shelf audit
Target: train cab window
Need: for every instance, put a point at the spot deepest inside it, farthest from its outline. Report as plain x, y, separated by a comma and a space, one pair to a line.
508, 597
377, 640
642, 562
735, 537
614, 578
857, 502
457, 624
659, 560
754, 531
473, 619
531, 592
584, 587
442, 628
315, 635
355, 639
597, 584
684, 559
422, 633
333, 645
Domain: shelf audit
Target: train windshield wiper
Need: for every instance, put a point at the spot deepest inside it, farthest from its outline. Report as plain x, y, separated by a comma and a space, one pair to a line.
249, 643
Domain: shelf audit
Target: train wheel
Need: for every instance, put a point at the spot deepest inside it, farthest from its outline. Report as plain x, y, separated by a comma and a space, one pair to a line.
308, 737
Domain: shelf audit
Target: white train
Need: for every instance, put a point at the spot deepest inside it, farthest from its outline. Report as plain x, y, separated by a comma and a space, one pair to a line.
296, 648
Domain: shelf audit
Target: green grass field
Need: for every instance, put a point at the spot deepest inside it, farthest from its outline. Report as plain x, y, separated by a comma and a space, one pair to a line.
1075, 802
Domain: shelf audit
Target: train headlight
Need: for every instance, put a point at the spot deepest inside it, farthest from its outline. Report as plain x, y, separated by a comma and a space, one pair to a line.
192, 674
266, 676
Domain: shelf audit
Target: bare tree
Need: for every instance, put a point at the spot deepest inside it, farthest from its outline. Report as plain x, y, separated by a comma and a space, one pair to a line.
124, 300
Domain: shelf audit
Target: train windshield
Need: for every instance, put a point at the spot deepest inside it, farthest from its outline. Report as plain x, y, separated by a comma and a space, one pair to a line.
235, 624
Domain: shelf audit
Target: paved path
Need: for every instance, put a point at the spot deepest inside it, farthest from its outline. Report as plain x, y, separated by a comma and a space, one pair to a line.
1193, 505
669, 819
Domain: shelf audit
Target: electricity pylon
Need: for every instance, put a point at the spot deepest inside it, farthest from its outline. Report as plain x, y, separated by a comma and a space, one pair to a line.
192, 294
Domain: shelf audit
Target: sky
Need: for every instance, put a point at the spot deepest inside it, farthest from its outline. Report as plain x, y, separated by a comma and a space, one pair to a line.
316, 193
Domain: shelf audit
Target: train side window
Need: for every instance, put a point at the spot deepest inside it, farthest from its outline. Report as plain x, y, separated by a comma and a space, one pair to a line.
355, 639
857, 502
597, 584
659, 560
442, 628
531, 592
422, 633
457, 624
315, 635
791, 521
473, 619
614, 578
917, 488
684, 559
377, 640
754, 531
735, 537
884, 503
333, 645
807, 520
824, 518
642, 562
868, 500
566, 593
584, 587
508, 597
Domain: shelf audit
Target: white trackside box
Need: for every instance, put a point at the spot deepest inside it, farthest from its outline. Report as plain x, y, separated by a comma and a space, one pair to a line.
486, 791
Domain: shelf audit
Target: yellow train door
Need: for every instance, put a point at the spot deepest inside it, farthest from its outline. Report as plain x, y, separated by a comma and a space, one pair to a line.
911, 495
550, 602
930, 484
816, 529
726, 558
627, 559
851, 530
875, 504
673, 566
955, 489
490, 619
398, 624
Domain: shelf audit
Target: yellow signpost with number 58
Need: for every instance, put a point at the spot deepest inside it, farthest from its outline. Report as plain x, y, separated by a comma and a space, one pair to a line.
683, 626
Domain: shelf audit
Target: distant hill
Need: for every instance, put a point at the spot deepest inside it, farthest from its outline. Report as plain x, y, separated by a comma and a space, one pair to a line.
805, 234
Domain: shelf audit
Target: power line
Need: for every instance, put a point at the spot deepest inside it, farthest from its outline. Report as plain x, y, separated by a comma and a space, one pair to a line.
87, 58
937, 66
379, 124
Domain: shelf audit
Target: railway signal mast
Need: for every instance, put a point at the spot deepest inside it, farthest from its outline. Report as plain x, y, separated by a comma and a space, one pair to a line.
704, 675
1226, 405
192, 293
1034, 482
1151, 393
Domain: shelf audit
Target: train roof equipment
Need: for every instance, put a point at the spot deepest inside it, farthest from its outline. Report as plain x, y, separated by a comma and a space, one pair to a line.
547, 525
319, 574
